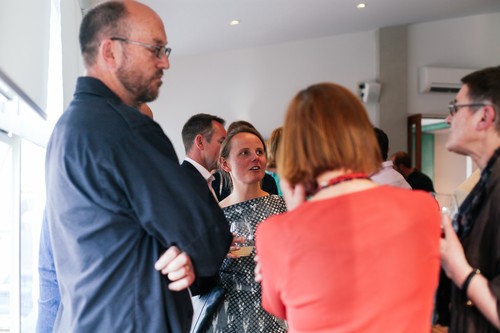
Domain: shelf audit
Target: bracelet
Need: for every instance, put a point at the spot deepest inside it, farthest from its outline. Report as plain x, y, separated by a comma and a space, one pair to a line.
467, 281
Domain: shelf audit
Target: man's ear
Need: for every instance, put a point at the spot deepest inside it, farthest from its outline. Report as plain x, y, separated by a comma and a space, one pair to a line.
199, 142
224, 165
487, 117
109, 53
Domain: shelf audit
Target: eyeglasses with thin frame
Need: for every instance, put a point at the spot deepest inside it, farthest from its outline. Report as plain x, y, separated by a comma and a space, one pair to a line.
453, 107
159, 51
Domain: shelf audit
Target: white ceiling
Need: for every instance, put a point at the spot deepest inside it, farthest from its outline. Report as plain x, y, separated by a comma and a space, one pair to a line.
202, 26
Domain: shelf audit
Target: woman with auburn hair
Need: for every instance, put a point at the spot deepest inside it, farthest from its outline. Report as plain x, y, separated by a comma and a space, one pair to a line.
349, 255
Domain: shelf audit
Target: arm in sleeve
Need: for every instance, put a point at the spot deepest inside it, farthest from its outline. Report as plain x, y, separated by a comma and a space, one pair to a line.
49, 298
169, 204
267, 243
484, 292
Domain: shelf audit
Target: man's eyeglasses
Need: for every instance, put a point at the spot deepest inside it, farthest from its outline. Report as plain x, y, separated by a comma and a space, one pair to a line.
454, 107
159, 51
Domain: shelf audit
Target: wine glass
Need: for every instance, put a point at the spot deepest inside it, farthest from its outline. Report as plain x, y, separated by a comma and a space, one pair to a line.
448, 205
242, 229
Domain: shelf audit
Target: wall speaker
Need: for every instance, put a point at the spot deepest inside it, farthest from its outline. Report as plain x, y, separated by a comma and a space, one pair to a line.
369, 92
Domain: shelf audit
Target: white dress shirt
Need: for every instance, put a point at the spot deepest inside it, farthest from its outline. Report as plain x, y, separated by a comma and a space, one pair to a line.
388, 176
204, 173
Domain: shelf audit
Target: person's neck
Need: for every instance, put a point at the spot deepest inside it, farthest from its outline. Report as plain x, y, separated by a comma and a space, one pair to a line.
410, 171
243, 192
340, 188
198, 159
482, 155
406, 171
114, 85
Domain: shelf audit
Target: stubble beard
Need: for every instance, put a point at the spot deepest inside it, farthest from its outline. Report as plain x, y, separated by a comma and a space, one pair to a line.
133, 80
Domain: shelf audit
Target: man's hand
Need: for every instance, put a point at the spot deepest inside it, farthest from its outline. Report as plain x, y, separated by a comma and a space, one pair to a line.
178, 268
453, 258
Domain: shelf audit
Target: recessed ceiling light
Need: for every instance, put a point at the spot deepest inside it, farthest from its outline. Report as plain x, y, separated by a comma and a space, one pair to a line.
361, 5
234, 22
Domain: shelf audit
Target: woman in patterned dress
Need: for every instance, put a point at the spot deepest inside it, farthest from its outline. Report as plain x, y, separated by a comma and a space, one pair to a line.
243, 158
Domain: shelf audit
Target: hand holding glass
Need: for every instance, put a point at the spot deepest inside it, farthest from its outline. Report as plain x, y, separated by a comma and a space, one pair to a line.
448, 205
242, 230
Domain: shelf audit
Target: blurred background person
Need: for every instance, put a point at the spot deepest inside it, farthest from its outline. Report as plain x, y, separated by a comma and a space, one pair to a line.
416, 179
387, 175
243, 157
350, 255
472, 259
273, 144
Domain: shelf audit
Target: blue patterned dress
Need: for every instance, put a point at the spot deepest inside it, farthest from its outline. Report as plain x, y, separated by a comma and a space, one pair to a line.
241, 311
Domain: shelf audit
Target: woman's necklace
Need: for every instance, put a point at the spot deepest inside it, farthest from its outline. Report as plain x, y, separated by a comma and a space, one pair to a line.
340, 179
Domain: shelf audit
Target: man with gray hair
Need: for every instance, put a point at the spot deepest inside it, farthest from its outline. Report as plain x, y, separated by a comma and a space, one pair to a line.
471, 256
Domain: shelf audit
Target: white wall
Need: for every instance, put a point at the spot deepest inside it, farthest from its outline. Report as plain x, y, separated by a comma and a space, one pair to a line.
71, 17
257, 84
468, 42
450, 169
24, 40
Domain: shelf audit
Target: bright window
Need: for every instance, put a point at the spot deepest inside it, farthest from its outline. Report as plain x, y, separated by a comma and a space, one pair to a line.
22, 189
9, 212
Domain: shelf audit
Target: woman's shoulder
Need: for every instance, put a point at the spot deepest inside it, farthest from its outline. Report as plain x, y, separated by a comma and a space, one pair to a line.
271, 200
417, 204
275, 201
275, 198
393, 191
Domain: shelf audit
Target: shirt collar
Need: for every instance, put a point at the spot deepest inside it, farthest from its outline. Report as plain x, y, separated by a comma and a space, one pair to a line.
94, 86
387, 164
201, 169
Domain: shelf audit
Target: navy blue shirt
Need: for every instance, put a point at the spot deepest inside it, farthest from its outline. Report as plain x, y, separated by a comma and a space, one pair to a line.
116, 200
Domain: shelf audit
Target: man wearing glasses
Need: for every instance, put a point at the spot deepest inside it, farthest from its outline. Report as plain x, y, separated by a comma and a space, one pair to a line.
126, 234
471, 257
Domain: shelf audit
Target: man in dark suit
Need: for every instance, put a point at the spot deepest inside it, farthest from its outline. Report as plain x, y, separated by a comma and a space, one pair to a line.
202, 136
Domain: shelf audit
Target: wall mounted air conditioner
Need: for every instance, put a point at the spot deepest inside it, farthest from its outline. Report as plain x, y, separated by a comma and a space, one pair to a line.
369, 91
441, 79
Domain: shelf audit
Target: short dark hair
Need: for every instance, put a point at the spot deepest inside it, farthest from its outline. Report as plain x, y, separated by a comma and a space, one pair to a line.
200, 123
383, 142
103, 21
484, 85
403, 158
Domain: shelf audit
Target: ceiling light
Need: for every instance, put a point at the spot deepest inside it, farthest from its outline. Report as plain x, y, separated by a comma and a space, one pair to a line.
361, 5
234, 22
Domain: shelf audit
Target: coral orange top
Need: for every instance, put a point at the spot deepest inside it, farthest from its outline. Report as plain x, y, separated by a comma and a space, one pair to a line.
362, 262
